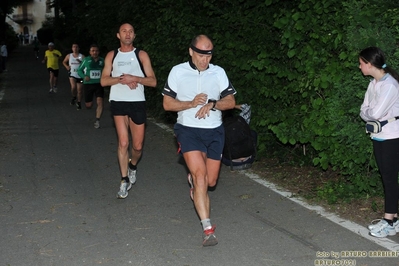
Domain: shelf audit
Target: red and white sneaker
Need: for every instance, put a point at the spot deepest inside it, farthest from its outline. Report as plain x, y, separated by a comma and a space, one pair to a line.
190, 181
210, 238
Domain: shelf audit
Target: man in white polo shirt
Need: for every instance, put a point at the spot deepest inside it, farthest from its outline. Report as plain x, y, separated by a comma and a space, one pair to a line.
199, 91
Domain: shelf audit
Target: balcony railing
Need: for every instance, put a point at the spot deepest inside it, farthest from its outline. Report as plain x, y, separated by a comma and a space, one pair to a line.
23, 18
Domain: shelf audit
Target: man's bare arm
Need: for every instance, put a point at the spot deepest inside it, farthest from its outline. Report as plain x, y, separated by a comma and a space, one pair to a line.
106, 79
225, 103
66, 62
172, 104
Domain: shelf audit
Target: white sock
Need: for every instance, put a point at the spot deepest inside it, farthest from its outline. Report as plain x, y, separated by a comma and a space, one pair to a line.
206, 224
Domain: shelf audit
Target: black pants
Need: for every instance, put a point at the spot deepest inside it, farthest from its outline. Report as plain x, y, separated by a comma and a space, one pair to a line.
387, 156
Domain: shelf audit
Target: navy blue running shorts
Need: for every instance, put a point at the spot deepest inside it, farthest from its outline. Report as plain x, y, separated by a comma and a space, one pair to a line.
135, 110
207, 140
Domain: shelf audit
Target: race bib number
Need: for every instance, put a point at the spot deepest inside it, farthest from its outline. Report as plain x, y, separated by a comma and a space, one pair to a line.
95, 74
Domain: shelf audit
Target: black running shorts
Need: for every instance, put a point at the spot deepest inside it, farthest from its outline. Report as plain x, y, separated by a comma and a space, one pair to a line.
91, 90
135, 110
54, 71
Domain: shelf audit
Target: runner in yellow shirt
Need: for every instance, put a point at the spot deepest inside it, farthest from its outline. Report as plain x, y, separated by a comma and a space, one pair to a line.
52, 58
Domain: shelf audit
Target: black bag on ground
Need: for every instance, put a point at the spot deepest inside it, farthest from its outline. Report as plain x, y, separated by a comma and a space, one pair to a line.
240, 143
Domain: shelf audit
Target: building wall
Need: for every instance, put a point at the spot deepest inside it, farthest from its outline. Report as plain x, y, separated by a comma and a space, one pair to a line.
35, 13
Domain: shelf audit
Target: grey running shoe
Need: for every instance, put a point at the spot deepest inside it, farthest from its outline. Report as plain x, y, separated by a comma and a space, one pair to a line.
55, 89
383, 229
122, 193
72, 101
377, 223
78, 106
132, 174
97, 124
51, 90
210, 238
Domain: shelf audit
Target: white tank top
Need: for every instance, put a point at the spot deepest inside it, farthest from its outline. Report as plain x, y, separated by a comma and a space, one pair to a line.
74, 64
126, 62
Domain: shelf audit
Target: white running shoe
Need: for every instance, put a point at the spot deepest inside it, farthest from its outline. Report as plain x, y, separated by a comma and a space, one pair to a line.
383, 229
375, 223
132, 174
123, 190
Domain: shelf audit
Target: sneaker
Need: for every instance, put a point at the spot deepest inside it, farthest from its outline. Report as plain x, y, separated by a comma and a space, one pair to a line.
210, 238
72, 101
78, 106
55, 89
123, 190
97, 124
383, 229
190, 182
375, 223
132, 174
51, 90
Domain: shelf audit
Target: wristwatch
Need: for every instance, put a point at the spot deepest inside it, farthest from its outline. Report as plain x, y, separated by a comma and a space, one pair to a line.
214, 104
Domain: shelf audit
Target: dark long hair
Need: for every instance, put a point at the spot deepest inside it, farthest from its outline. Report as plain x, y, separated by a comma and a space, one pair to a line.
376, 57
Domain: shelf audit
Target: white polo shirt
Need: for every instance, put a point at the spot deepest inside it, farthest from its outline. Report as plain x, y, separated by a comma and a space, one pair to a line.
185, 82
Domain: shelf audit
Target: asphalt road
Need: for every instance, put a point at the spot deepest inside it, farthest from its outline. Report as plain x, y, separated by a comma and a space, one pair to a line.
59, 178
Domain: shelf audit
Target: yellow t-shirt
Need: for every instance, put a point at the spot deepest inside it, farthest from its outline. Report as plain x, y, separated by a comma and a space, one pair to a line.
53, 58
